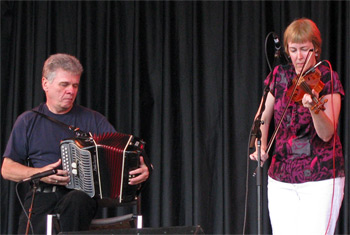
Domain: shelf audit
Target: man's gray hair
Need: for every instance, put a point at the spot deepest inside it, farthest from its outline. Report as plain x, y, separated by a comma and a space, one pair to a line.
61, 61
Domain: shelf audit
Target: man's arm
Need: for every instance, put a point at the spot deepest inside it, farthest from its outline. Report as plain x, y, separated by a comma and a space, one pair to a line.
15, 171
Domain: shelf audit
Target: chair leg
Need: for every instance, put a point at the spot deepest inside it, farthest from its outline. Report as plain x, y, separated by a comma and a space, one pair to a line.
139, 222
52, 222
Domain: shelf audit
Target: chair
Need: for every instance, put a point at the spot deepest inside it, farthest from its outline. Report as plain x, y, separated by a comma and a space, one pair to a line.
131, 220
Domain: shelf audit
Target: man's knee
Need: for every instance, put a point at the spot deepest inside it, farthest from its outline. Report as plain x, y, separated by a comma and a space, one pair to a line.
77, 200
76, 211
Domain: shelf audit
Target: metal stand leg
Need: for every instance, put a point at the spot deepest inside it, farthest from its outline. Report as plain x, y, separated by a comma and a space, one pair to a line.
52, 222
139, 222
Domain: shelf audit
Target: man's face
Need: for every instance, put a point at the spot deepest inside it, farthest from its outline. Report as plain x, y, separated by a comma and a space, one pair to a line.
61, 92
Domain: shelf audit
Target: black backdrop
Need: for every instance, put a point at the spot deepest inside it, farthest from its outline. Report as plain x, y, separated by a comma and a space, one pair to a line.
185, 76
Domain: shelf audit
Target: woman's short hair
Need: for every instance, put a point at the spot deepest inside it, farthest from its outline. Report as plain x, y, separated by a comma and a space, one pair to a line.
302, 30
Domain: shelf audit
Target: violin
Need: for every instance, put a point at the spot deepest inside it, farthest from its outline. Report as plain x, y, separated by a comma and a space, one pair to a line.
304, 84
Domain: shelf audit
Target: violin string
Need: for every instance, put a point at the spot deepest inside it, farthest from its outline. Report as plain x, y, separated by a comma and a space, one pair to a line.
274, 134
308, 57
307, 89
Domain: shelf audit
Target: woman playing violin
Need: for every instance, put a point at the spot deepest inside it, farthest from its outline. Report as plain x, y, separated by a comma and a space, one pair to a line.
307, 160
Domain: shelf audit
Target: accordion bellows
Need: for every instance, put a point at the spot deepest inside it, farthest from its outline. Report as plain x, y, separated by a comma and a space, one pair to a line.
100, 165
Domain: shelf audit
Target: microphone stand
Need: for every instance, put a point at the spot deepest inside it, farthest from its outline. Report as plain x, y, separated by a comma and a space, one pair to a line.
35, 186
256, 136
35, 183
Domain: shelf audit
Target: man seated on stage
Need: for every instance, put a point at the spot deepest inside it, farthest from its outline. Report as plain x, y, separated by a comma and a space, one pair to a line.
36, 139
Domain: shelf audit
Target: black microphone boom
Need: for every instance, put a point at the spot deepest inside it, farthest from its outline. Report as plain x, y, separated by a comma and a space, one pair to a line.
40, 175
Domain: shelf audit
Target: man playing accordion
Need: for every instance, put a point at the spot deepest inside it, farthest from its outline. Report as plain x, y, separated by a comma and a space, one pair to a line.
37, 139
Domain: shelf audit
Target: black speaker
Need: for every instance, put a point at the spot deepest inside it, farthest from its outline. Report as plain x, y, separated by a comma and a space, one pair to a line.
164, 230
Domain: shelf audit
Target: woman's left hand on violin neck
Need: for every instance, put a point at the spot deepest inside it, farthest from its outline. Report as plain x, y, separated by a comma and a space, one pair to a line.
307, 100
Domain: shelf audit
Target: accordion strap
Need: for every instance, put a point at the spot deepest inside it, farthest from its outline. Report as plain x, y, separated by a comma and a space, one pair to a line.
76, 130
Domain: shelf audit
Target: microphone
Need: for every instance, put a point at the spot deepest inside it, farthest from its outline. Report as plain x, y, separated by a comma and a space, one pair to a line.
276, 41
283, 58
313, 68
40, 175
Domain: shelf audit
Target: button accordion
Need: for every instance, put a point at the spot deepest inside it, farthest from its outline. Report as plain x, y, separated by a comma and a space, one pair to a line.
100, 165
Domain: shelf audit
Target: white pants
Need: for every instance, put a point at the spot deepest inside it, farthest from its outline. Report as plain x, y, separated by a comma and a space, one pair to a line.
304, 208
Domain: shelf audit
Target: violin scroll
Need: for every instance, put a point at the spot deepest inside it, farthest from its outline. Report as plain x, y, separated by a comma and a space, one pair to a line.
319, 105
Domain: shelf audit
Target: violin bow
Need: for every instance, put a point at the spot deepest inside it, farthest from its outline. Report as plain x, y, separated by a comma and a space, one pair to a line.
269, 145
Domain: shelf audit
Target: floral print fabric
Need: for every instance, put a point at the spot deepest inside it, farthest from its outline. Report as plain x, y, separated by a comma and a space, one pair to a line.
300, 155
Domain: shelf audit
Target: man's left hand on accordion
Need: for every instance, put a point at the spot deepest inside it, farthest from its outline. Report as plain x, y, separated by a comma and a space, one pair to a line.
140, 174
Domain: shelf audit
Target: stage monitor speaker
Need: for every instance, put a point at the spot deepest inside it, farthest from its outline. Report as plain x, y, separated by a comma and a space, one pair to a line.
163, 230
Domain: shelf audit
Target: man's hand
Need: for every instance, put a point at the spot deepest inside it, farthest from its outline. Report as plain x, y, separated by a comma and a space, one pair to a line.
60, 178
142, 173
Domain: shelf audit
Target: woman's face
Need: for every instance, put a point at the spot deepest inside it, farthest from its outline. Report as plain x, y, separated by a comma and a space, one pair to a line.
298, 53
